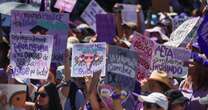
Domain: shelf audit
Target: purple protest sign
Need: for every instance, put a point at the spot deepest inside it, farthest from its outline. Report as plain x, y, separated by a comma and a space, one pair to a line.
43, 23
171, 60
31, 55
106, 27
66, 5
203, 35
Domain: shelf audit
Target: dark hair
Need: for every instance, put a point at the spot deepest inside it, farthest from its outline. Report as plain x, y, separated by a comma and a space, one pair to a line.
54, 100
202, 81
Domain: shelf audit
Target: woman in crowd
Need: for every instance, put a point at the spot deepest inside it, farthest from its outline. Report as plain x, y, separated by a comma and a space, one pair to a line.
195, 85
47, 98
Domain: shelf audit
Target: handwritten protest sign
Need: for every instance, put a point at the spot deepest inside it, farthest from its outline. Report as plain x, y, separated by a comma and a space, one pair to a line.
14, 95
43, 23
145, 50
121, 68
31, 55
203, 35
88, 58
171, 60
66, 5
179, 35
106, 27
89, 15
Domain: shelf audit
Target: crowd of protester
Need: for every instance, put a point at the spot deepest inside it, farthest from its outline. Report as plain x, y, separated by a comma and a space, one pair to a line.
157, 92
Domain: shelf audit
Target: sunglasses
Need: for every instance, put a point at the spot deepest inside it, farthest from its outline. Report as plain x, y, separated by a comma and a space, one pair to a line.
151, 105
41, 94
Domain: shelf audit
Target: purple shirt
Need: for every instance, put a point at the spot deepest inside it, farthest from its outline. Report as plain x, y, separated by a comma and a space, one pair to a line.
194, 104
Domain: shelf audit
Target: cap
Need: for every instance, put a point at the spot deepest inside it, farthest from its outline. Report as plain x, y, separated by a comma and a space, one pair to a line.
39, 29
157, 98
175, 96
161, 76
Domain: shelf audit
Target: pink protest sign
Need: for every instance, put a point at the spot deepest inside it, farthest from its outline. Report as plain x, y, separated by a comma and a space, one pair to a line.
66, 5
145, 49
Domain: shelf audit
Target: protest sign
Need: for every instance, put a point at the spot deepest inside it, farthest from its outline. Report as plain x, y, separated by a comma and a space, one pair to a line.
31, 55
88, 58
89, 14
105, 92
65, 5
44, 23
121, 68
145, 50
203, 35
129, 13
178, 20
160, 5
106, 27
178, 36
171, 60
14, 95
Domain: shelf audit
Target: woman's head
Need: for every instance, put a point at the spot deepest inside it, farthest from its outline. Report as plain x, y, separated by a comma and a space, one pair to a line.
198, 74
47, 97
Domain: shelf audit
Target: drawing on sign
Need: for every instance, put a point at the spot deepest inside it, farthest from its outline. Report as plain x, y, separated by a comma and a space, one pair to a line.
88, 58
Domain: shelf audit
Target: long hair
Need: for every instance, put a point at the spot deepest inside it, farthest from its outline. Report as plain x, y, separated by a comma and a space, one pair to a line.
54, 99
202, 81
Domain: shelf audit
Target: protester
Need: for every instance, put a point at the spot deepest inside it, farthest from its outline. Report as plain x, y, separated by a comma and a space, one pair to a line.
176, 100
154, 101
159, 81
176, 84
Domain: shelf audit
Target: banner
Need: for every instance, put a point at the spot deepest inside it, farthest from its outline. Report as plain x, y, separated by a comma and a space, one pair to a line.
88, 58
203, 35
44, 23
31, 55
145, 50
171, 60
89, 14
121, 68
65, 5
14, 95
178, 36
106, 27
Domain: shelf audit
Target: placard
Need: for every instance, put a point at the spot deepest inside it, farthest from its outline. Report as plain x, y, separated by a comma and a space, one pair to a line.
31, 55
171, 60
14, 95
178, 36
88, 58
106, 27
66, 5
89, 14
121, 68
145, 50
44, 23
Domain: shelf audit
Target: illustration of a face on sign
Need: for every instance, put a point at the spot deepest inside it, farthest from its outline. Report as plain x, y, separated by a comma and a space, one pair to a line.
89, 59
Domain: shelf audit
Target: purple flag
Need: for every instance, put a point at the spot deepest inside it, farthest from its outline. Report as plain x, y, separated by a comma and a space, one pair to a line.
203, 35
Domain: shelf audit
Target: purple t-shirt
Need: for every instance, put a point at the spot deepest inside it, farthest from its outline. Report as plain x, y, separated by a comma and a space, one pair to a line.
194, 104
